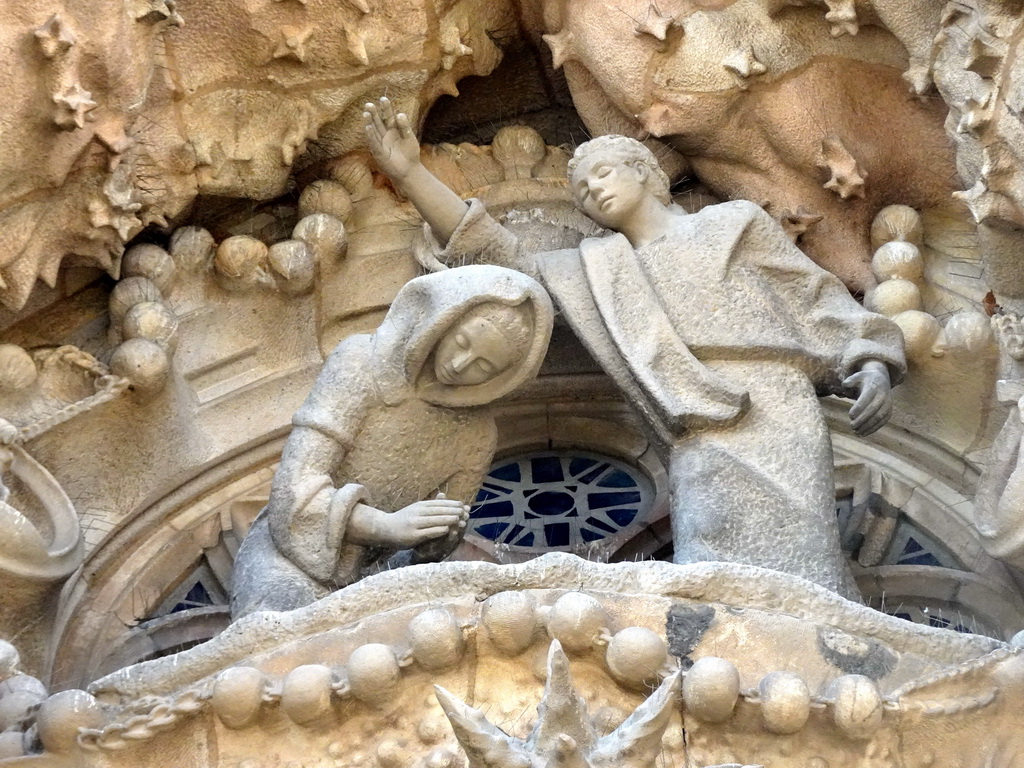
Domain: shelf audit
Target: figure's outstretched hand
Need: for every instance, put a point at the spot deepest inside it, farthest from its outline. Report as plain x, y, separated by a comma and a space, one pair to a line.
873, 407
392, 140
426, 520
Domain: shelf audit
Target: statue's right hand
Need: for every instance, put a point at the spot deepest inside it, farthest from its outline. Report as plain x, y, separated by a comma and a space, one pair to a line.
391, 139
425, 520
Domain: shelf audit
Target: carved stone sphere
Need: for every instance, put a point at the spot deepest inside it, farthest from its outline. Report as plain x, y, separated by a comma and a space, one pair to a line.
61, 715
324, 234
193, 248
306, 693
711, 689
636, 655
143, 362
294, 265
326, 196
436, 639
17, 368
785, 702
129, 292
151, 320
18, 694
372, 673
894, 296
510, 620
856, 705
576, 621
240, 257
149, 261
967, 334
11, 744
238, 696
9, 660
920, 331
896, 222
898, 259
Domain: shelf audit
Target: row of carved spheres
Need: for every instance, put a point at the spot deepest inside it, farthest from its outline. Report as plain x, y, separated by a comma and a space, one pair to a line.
897, 235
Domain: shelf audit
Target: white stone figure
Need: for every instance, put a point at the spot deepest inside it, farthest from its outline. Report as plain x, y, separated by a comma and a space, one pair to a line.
718, 329
390, 445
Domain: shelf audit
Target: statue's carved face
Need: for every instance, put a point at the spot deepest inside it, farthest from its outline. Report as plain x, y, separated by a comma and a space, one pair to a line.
609, 191
472, 352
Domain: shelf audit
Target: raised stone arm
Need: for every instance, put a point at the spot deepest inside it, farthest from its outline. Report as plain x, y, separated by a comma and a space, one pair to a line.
397, 152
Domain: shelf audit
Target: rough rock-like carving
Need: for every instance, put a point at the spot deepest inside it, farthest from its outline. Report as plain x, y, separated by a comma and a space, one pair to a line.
390, 425
713, 279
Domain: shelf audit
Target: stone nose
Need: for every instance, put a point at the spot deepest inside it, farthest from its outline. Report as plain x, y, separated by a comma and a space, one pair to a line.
462, 360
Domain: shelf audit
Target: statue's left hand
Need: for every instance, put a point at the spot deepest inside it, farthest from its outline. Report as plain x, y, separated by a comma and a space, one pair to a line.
874, 397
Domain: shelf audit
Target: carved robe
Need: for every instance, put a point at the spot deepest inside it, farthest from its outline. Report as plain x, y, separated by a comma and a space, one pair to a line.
378, 428
722, 334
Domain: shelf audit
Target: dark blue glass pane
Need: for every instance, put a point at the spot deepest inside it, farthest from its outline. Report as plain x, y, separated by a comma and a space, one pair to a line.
515, 531
493, 509
589, 535
551, 503
600, 524
491, 530
557, 534
925, 558
912, 546
497, 488
579, 464
617, 479
526, 541
602, 500
546, 469
508, 472
484, 495
621, 517
196, 597
593, 474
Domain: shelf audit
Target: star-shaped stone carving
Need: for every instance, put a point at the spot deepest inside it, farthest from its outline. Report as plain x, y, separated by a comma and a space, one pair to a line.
157, 11
73, 104
452, 48
985, 54
54, 37
842, 18
355, 44
102, 215
654, 23
562, 47
293, 43
743, 65
847, 176
797, 223
443, 83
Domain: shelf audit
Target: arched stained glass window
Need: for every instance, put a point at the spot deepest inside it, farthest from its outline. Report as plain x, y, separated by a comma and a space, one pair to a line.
559, 501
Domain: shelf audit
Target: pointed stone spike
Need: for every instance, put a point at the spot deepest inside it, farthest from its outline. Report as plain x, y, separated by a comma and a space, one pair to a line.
562, 47
486, 745
637, 742
562, 712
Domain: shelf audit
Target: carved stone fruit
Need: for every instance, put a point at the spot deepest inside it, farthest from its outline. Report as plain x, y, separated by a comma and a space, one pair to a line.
372, 672
967, 334
149, 261
61, 715
436, 639
306, 693
294, 266
324, 234
636, 655
920, 332
129, 292
192, 248
856, 705
510, 619
240, 259
785, 702
576, 621
151, 320
17, 368
144, 363
711, 689
326, 196
18, 694
893, 296
896, 222
11, 744
898, 259
10, 659
238, 696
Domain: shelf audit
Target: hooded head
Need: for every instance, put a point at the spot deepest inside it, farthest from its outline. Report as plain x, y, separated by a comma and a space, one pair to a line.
465, 336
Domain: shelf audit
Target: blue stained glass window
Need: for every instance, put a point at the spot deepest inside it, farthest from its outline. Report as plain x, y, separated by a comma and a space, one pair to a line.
559, 500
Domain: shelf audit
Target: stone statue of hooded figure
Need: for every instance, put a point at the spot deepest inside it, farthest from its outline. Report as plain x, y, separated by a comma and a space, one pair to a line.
391, 444
717, 329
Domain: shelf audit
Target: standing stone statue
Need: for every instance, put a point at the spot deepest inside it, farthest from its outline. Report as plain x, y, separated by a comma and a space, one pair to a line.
718, 329
390, 445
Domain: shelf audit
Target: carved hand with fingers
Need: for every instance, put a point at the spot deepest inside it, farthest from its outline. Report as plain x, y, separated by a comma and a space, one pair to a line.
873, 389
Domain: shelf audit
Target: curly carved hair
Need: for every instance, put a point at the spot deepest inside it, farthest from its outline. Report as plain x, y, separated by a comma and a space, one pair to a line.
622, 149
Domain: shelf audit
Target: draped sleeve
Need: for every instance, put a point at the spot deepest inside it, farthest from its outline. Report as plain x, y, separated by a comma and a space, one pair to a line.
479, 239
